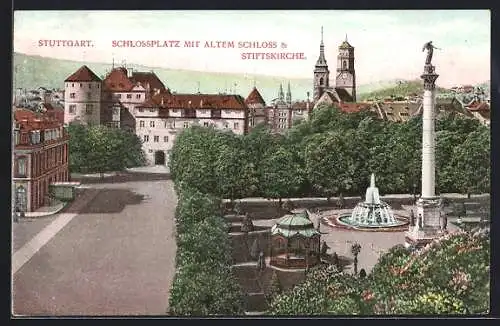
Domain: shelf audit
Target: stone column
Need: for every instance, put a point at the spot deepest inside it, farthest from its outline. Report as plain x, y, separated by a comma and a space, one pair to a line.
428, 133
428, 205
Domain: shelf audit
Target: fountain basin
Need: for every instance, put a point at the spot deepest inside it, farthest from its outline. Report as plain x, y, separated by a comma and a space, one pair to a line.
344, 221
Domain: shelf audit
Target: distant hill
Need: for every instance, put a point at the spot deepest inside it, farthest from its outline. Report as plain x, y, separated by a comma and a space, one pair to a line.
35, 71
401, 88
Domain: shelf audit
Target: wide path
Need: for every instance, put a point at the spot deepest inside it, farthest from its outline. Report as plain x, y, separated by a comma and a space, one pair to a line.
113, 255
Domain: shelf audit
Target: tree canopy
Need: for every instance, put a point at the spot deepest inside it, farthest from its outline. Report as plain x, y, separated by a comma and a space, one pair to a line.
99, 149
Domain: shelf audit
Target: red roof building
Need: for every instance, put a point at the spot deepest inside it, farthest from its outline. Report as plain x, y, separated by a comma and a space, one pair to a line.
84, 74
40, 158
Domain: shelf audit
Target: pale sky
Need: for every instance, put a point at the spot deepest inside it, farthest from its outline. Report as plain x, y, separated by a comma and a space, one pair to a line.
388, 43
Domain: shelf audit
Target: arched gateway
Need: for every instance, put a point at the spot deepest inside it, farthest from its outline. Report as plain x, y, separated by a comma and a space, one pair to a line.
159, 158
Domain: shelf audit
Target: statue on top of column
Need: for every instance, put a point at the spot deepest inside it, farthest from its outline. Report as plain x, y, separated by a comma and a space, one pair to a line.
430, 49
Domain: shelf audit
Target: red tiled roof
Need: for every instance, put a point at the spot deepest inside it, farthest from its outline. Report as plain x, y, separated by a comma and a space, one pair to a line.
479, 106
254, 97
302, 105
202, 101
84, 74
30, 120
118, 81
353, 107
147, 78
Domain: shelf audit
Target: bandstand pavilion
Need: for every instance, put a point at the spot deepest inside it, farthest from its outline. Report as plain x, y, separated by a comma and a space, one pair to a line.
295, 243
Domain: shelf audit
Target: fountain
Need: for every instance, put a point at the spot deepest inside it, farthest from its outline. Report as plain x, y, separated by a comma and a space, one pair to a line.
371, 214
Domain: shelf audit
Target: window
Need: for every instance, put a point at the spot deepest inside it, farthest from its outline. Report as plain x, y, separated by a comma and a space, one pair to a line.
72, 108
141, 109
186, 124
81, 85
89, 95
72, 95
119, 95
165, 139
16, 136
73, 85
116, 111
90, 85
205, 124
97, 85
88, 108
174, 110
173, 124
156, 139
150, 151
152, 110
226, 125
21, 166
138, 96
129, 96
146, 138
152, 123
321, 81
235, 125
141, 123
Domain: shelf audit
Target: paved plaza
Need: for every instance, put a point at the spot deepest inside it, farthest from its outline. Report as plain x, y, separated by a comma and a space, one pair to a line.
111, 252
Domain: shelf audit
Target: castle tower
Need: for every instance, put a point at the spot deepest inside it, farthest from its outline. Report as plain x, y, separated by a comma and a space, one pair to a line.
289, 95
82, 97
321, 73
346, 75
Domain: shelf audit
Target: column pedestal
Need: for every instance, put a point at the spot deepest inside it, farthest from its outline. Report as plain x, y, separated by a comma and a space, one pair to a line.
428, 209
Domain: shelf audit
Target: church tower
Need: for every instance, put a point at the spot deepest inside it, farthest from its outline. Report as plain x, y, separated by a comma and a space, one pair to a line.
321, 73
346, 75
289, 95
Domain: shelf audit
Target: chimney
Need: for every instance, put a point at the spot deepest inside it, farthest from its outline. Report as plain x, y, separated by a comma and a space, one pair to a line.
129, 72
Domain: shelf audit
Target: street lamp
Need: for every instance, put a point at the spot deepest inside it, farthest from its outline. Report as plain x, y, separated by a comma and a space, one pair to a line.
414, 193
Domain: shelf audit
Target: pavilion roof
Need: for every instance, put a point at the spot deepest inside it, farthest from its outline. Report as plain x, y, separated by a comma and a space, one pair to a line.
295, 224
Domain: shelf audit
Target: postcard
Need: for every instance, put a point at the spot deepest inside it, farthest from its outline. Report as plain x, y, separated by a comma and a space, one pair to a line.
249, 163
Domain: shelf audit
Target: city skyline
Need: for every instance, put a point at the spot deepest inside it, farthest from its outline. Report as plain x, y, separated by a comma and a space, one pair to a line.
463, 37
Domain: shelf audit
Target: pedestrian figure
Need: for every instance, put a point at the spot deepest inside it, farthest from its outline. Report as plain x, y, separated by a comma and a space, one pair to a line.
412, 218
420, 221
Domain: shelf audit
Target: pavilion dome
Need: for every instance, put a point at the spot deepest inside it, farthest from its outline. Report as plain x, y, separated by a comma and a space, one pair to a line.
295, 224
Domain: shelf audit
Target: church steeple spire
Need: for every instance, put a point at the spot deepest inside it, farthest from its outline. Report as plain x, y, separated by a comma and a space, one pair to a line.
289, 95
321, 60
281, 94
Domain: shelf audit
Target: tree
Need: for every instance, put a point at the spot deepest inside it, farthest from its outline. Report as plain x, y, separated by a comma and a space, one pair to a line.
236, 176
194, 156
99, 149
362, 273
203, 289
207, 241
280, 175
324, 249
333, 161
247, 224
288, 206
255, 249
275, 287
472, 162
355, 249
341, 201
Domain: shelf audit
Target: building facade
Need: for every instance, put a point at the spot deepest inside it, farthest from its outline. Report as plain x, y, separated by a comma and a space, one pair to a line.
256, 109
82, 97
40, 158
160, 119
